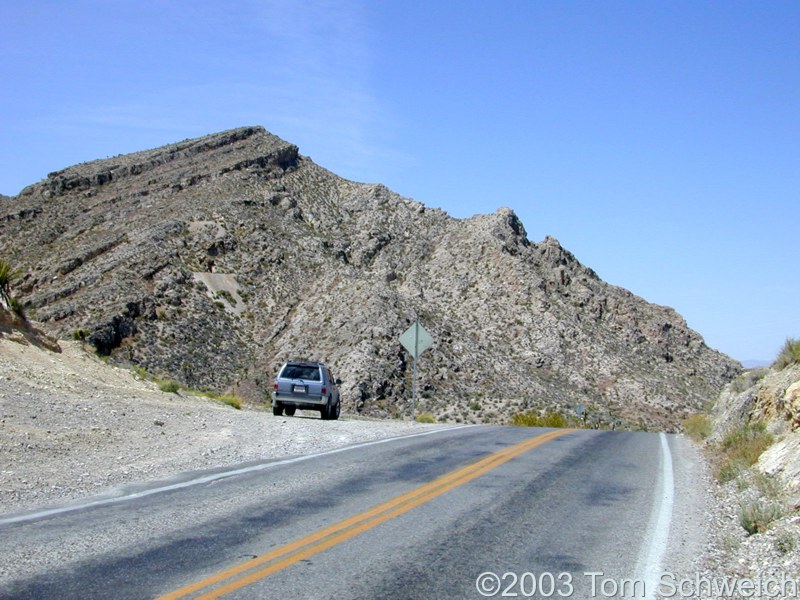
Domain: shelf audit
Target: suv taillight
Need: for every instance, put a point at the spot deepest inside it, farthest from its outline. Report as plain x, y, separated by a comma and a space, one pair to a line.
324, 391
275, 386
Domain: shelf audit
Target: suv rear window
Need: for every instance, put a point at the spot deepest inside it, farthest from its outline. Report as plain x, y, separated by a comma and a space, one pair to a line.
309, 373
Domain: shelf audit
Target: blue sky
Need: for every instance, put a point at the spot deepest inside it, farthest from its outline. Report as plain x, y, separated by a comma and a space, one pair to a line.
658, 141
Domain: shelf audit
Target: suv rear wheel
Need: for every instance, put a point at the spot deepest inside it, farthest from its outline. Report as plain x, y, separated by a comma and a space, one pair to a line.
277, 410
331, 411
290, 411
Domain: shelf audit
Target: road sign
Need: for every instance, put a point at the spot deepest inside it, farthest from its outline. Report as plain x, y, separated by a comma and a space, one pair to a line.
416, 340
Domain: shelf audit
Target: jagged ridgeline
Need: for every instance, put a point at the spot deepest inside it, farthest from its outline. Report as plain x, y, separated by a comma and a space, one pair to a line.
213, 260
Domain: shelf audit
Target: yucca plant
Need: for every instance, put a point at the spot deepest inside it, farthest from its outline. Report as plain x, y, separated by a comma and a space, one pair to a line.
7, 273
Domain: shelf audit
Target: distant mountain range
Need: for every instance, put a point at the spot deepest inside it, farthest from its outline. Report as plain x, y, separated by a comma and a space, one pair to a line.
212, 260
755, 363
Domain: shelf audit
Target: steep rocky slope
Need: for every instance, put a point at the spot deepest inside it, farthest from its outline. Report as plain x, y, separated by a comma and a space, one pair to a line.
214, 259
770, 396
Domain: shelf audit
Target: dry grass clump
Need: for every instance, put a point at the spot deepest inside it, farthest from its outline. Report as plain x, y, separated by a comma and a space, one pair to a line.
789, 354
741, 447
534, 419
425, 418
230, 399
697, 426
171, 386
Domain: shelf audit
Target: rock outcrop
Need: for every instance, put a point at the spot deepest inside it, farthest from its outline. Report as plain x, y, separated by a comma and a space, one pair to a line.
770, 396
212, 260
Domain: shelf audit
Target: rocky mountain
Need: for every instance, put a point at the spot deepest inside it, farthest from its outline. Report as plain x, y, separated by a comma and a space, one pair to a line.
213, 260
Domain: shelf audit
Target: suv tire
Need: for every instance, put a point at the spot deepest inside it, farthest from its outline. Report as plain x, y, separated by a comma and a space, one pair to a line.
277, 410
331, 411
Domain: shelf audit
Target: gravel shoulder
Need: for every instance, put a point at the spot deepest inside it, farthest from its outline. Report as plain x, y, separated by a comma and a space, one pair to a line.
72, 426
709, 548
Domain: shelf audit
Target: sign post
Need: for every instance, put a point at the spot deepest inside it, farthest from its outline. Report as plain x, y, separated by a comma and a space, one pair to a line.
416, 340
581, 410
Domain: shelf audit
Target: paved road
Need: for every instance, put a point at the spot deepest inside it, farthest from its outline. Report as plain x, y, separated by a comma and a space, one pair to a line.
583, 513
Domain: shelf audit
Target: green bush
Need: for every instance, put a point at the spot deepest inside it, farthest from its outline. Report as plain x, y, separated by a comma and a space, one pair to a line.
533, 419
7, 273
789, 354
141, 372
425, 418
169, 386
756, 516
697, 426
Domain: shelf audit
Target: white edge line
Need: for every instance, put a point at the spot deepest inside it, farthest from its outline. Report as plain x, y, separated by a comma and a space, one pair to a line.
210, 478
660, 523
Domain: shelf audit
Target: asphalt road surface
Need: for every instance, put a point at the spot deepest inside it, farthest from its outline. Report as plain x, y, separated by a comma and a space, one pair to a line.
470, 512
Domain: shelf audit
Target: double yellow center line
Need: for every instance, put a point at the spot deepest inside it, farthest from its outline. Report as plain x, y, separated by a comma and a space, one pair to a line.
258, 568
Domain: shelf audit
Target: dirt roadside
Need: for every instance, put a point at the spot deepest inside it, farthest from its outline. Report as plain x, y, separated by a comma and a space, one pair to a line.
72, 426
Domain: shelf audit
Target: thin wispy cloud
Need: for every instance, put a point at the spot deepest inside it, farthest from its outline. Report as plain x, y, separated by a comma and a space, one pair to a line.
318, 86
303, 70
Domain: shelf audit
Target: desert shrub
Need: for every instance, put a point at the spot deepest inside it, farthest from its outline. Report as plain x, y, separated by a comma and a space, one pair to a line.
697, 426
789, 354
141, 372
227, 296
769, 487
80, 335
425, 418
17, 308
756, 516
784, 542
748, 379
533, 419
747, 441
741, 447
169, 386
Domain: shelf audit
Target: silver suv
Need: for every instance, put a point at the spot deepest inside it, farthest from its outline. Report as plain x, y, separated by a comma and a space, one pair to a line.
307, 386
